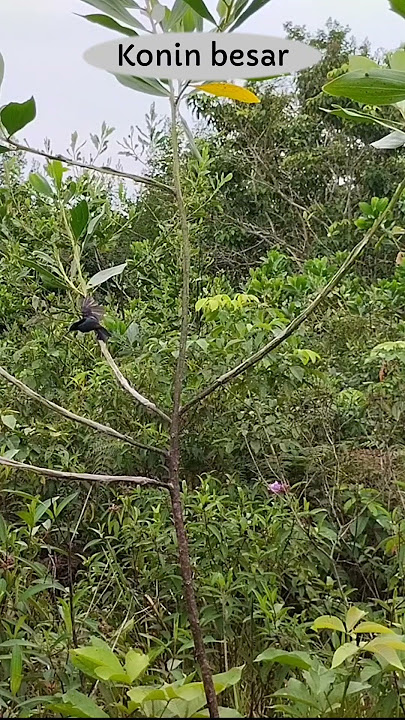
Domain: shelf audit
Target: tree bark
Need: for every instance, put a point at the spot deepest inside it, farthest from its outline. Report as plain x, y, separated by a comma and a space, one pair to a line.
175, 433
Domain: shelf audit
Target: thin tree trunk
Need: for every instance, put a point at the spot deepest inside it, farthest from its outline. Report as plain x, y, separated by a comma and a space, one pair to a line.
175, 432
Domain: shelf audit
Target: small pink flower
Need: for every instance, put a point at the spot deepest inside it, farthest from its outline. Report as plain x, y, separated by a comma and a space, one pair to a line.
278, 488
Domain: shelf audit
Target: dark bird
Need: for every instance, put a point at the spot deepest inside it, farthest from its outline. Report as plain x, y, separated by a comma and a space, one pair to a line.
90, 320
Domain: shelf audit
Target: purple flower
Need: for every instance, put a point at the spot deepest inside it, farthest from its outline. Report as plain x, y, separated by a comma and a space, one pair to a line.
278, 488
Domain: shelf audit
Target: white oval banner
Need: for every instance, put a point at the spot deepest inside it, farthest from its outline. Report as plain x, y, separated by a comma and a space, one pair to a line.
202, 56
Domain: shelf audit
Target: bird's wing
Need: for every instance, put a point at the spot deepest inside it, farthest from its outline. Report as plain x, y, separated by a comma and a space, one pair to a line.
91, 309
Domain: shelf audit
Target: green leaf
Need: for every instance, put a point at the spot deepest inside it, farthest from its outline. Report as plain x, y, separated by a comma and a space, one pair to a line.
283, 657
390, 656
76, 704
109, 23
55, 170
353, 616
106, 274
397, 60
356, 116
9, 420
40, 587
98, 660
226, 679
328, 622
375, 87
79, 217
201, 9
398, 6
392, 141
253, 8
109, 7
51, 279
344, 652
144, 85
1, 69
361, 62
40, 184
16, 669
15, 116
372, 627
191, 140
4, 149
136, 662
224, 712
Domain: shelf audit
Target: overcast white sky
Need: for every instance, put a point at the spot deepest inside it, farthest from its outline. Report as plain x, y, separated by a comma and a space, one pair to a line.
42, 42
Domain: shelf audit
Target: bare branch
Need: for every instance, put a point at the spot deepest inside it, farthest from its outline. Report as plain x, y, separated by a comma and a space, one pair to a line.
295, 324
130, 479
76, 418
147, 404
103, 169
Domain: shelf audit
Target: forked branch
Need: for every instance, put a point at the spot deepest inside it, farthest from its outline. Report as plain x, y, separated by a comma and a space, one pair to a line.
86, 477
295, 324
76, 418
121, 379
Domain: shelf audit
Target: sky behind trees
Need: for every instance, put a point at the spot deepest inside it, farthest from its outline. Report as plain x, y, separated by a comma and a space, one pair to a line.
43, 41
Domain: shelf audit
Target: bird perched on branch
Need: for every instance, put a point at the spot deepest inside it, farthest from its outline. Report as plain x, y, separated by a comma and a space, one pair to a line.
90, 320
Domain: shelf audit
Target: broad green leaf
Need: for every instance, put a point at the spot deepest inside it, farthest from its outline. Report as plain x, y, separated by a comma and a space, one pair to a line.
394, 140
95, 656
109, 23
109, 7
328, 622
93, 223
40, 184
374, 87
361, 62
397, 60
16, 669
136, 662
40, 587
139, 694
106, 274
353, 616
108, 674
372, 627
201, 9
398, 6
393, 641
250, 10
15, 116
284, 657
1, 69
390, 656
79, 217
227, 90
144, 85
344, 652
231, 677
4, 149
55, 170
76, 704
50, 279
9, 420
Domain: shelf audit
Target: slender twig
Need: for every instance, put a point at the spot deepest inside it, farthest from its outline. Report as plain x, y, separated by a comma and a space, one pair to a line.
103, 169
175, 431
76, 418
295, 324
87, 477
148, 404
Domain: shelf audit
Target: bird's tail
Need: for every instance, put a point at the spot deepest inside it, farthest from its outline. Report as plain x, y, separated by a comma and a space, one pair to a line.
102, 333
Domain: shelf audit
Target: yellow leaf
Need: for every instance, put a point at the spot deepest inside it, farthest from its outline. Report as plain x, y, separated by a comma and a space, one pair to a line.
227, 90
